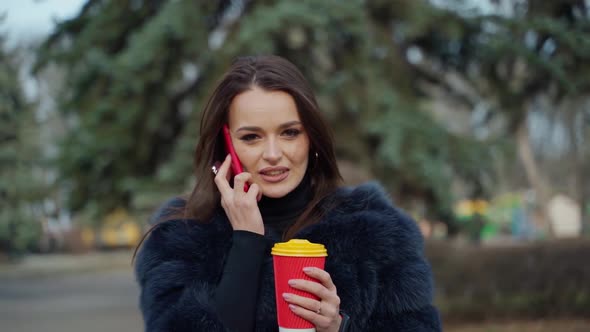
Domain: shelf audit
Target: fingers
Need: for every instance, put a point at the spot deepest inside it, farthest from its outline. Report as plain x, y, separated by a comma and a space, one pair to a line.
240, 206
302, 301
312, 287
321, 275
308, 286
326, 309
236, 196
321, 321
324, 284
240, 180
323, 312
255, 191
221, 178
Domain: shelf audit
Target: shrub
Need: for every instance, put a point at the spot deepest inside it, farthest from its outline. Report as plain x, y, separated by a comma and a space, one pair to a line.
549, 279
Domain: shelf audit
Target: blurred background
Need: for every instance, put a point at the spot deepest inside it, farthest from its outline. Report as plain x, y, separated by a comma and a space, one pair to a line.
474, 114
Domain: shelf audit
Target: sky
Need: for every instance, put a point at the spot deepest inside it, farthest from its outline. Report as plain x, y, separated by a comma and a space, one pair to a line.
27, 20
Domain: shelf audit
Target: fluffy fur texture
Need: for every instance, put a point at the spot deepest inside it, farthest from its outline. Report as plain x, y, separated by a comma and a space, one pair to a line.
375, 259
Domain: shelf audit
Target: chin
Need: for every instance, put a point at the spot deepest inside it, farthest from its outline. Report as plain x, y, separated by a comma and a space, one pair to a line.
277, 192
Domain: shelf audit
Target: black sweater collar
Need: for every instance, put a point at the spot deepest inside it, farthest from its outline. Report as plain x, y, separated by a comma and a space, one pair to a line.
280, 213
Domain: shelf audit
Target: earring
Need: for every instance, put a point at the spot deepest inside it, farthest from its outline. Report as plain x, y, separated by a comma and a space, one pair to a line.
316, 155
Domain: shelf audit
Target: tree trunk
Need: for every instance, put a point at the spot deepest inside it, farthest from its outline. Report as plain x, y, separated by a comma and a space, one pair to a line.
537, 183
577, 157
584, 179
584, 199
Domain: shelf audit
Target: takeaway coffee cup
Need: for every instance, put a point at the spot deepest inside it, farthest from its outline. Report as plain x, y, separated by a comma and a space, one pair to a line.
289, 259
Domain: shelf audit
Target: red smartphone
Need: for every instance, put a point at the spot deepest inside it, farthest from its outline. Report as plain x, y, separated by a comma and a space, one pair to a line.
236, 165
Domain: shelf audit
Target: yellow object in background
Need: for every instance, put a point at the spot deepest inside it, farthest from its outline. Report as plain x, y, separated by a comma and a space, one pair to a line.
119, 229
467, 208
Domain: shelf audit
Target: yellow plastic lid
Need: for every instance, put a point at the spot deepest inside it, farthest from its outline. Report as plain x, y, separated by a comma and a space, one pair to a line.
299, 248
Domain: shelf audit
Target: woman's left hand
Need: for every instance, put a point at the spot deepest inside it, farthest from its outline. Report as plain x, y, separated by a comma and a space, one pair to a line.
323, 313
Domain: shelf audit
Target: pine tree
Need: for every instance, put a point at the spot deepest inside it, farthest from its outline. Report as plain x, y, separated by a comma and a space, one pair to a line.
139, 75
21, 185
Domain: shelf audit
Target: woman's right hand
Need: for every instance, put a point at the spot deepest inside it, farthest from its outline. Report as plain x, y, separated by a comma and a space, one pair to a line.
240, 207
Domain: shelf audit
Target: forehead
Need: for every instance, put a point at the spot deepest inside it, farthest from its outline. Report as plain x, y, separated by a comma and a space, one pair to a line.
258, 107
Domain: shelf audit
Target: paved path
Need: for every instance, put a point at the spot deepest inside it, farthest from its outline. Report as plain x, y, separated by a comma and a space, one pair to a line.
86, 301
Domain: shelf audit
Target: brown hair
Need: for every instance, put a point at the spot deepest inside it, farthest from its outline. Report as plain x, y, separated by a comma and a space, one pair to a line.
271, 73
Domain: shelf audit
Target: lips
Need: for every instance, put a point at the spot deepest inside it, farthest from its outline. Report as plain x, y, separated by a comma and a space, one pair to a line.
274, 174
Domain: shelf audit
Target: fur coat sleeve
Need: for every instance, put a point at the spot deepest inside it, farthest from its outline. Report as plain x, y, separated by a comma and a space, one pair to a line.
375, 258
177, 268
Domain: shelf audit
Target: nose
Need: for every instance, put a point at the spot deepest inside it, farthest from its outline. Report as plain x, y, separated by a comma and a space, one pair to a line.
272, 151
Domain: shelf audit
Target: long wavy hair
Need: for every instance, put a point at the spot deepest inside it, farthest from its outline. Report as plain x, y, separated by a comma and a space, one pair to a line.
270, 73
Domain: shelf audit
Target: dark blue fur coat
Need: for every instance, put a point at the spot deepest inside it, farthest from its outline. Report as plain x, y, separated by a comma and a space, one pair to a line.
375, 259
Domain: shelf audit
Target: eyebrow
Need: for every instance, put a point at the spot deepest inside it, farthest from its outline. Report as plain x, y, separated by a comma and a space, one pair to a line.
282, 126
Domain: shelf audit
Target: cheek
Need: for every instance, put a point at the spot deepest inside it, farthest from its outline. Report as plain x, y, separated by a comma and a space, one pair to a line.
300, 156
248, 157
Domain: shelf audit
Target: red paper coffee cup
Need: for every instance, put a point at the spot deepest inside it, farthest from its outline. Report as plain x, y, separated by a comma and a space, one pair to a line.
289, 259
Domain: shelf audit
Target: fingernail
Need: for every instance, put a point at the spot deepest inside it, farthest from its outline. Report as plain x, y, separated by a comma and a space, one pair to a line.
307, 269
286, 296
292, 307
291, 282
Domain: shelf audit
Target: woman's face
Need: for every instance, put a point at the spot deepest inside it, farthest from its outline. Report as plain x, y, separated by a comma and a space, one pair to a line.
269, 139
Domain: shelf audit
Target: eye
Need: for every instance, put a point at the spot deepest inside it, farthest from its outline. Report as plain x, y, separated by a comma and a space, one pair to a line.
292, 132
248, 137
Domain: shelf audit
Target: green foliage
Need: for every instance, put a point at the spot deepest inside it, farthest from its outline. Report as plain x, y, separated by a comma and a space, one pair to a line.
21, 188
511, 59
126, 81
367, 90
138, 74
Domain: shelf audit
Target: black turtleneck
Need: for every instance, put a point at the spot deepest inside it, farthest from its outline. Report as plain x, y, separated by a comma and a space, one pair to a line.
280, 213
237, 292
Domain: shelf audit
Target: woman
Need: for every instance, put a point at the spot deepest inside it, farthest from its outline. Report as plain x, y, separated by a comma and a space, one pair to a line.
207, 266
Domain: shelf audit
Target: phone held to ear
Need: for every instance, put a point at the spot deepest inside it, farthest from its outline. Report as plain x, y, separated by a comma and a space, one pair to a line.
236, 165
